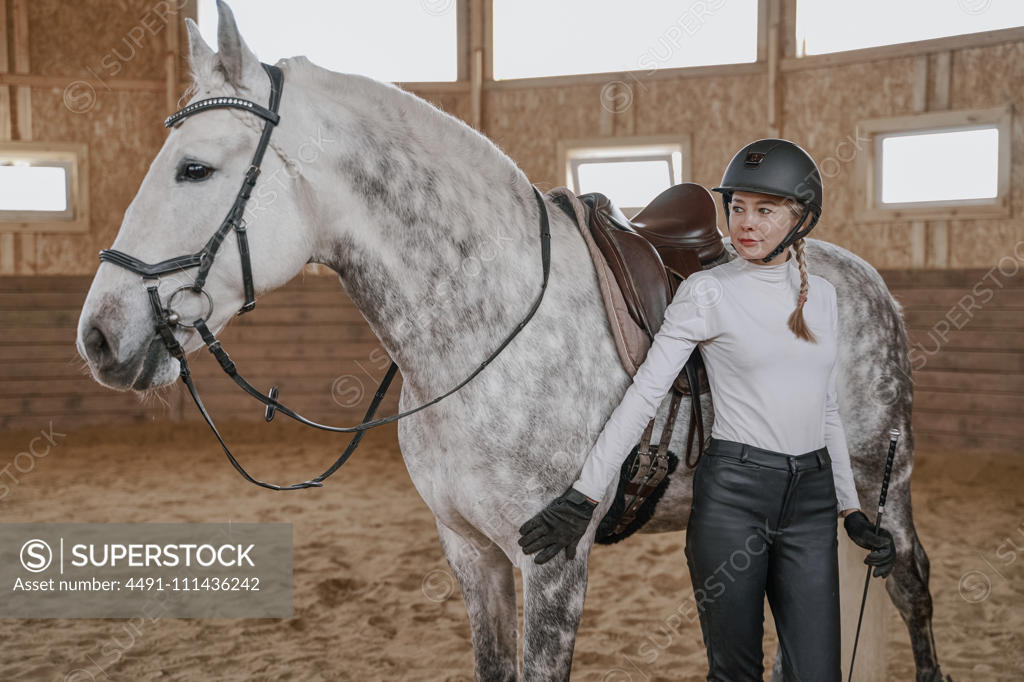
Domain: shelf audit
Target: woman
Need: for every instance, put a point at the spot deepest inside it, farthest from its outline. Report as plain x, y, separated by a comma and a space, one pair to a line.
777, 474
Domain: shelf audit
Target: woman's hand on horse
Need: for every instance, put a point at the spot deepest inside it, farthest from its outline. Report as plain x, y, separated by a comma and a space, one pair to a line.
880, 542
560, 525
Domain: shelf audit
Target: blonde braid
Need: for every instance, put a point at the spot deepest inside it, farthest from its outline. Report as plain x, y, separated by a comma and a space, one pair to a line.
796, 321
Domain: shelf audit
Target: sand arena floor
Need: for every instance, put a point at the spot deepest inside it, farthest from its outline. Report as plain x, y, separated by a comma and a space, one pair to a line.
375, 598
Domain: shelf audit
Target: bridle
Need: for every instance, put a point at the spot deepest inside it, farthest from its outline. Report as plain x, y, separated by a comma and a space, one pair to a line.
167, 318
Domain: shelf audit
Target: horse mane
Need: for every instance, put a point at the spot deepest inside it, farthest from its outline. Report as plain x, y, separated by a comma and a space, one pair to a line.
449, 130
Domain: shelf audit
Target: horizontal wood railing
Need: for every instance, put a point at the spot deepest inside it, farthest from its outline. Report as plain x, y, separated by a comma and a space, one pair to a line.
307, 336
966, 329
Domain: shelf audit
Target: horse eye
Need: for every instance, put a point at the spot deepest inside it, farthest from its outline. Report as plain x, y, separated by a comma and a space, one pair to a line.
194, 172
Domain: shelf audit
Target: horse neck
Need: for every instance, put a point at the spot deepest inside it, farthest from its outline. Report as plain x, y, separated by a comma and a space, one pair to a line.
432, 230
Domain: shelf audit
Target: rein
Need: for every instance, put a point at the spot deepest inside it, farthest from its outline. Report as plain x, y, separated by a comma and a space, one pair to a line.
167, 319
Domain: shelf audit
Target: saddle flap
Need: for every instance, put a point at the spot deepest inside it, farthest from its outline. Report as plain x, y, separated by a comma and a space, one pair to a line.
635, 263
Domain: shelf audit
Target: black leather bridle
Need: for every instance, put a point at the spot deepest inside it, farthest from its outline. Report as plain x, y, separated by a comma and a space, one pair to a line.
167, 318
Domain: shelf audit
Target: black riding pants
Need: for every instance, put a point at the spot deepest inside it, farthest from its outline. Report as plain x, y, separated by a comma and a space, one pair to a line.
764, 522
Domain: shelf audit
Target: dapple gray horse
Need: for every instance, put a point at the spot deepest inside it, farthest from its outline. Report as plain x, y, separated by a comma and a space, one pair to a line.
433, 232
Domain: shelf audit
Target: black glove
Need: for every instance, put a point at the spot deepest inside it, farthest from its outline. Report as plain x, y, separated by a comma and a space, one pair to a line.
559, 525
880, 542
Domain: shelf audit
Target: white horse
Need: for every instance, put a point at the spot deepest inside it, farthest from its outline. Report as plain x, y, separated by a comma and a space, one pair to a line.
433, 232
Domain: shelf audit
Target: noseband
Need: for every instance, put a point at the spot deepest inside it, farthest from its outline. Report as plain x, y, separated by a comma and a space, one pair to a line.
167, 318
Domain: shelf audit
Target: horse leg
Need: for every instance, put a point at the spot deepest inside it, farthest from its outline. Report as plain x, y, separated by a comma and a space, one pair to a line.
553, 595
489, 591
907, 586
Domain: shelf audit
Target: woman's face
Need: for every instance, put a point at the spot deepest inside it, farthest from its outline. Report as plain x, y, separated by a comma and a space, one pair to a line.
757, 223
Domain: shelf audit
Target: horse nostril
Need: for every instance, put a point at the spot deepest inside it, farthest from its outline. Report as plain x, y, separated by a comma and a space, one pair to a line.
96, 347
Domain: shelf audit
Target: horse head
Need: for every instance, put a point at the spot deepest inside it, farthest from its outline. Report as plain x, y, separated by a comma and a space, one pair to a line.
188, 190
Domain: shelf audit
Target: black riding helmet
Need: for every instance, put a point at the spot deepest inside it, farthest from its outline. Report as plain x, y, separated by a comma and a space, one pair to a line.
777, 167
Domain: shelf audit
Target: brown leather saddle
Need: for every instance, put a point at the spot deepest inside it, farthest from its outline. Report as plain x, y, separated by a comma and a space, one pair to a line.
673, 237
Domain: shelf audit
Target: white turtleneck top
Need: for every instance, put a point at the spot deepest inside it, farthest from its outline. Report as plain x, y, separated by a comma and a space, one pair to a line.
768, 388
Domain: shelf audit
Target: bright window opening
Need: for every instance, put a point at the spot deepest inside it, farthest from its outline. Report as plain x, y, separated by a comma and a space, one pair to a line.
936, 165
541, 38
44, 187
630, 174
367, 38
824, 26
626, 183
24, 187
939, 166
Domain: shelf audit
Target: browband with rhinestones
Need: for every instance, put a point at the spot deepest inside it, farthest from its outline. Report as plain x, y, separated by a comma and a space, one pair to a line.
215, 102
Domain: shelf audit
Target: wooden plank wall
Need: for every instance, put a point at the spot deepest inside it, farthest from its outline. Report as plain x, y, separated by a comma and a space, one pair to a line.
967, 360
307, 336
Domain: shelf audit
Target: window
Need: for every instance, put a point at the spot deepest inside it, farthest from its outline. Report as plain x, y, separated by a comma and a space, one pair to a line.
629, 171
938, 165
42, 187
824, 26
350, 37
540, 38
916, 167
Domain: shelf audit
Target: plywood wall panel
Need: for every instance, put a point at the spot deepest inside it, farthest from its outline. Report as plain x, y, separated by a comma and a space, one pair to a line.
822, 108
720, 114
979, 243
455, 103
124, 131
527, 124
990, 77
97, 39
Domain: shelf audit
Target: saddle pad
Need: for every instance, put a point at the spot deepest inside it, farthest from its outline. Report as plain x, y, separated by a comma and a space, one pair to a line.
631, 341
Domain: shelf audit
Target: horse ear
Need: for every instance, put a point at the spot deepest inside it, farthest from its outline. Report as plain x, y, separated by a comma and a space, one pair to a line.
201, 55
239, 63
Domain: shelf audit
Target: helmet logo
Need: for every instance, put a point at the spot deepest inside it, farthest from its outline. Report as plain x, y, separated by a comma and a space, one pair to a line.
753, 159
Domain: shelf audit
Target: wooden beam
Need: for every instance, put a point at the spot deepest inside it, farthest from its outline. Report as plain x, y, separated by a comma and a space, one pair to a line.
32, 80
938, 255
919, 93
762, 29
171, 59
939, 248
789, 46
6, 238
5, 92
775, 89
711, 71
23, 93
942, 80
899, 50
488, 41
476, 61
919, 103
25, 259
